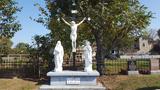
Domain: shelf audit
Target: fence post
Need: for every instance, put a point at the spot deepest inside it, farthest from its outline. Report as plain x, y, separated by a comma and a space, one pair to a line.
8, 57
20, 56
155, 66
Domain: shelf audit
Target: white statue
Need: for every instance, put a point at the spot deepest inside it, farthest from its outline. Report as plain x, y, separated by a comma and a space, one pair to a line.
87, 57
73, 35
58, 56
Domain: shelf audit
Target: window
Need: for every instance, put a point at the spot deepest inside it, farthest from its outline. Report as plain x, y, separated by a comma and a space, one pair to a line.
143, 44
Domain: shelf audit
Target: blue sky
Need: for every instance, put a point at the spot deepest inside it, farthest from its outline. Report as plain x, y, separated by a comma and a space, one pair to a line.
154, 6
31, 28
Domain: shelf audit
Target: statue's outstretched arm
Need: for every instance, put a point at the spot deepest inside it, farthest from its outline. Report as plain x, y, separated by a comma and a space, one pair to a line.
81, 21
66, 22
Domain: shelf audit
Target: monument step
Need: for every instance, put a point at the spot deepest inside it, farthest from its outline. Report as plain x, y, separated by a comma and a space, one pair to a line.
72, 87
72, 73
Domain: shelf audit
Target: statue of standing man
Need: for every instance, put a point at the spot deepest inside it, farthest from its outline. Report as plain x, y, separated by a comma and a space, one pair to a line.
73, 35
87, 56
58, 57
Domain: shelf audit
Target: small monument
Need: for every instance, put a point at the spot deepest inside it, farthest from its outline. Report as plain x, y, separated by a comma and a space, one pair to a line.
73, 80
132, 69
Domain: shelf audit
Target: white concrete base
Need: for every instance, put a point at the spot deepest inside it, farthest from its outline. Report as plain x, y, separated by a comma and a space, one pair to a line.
73, 77
155, 71
72, 87
133, 72
73, 80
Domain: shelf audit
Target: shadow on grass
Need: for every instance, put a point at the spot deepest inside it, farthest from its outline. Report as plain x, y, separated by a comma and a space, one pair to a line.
43, 82
39, 81
148, 88
6, 76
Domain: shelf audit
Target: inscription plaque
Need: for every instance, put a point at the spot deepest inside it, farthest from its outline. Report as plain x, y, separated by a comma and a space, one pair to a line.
73, 81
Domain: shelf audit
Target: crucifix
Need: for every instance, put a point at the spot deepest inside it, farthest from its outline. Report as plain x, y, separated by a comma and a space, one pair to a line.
73, 35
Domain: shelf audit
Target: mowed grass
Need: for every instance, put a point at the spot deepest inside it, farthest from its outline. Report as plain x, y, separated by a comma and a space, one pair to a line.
17, 84
141, 82
114, 82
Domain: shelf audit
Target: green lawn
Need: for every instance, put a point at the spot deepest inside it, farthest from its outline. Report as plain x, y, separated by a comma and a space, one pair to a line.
114, 82
142, 82
17, 84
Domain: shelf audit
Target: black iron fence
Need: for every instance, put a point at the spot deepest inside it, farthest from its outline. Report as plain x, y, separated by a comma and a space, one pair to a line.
25, 66
121, 66
20, 65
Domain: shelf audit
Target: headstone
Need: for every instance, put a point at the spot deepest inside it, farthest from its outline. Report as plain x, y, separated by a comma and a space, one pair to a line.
132, 69
132, 65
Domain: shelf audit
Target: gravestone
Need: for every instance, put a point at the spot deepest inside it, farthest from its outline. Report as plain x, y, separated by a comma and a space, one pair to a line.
132, 65
132, 69
154, 61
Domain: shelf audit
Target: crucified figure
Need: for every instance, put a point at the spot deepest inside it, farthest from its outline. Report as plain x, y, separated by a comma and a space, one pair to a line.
73, 35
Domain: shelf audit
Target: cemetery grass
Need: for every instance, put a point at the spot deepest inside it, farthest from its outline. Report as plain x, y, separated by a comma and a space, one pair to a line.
17, 84
124, 82
111, 82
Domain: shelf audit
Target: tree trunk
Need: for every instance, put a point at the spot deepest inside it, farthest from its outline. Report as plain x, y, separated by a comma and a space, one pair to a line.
100, 54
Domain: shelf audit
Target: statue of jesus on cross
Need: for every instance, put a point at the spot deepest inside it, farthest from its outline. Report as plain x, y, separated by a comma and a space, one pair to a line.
73, 35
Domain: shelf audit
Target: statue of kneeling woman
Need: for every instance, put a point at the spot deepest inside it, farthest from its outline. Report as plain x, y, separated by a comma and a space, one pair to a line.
58, 57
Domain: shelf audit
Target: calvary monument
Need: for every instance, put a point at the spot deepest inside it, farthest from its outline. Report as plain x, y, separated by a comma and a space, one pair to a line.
68, 79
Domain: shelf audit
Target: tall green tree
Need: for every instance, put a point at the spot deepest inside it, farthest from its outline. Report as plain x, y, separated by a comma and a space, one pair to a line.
5, 46
112, 22
22, 48
42, 49
8, 23
156, 45
43, 45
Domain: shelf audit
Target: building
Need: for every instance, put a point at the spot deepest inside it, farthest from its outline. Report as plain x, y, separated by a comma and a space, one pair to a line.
142, 46
145, 45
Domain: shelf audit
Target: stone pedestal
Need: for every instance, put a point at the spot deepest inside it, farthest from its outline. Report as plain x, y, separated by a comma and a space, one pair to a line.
133, 72
132, 69
155, 71
73, 80
155, 66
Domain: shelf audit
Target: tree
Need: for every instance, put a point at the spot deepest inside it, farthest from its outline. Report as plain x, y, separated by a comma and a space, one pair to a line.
5, 45
158, 32
43, 44
112, 22
42, 49
156, 45
22, 48
8, 23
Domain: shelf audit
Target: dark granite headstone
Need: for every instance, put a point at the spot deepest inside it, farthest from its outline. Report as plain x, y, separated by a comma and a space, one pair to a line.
132, 65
